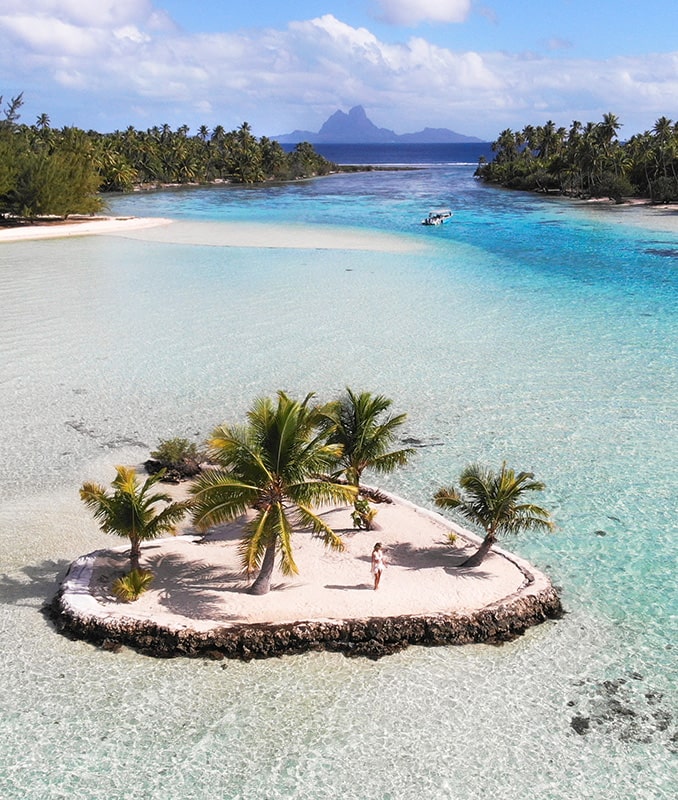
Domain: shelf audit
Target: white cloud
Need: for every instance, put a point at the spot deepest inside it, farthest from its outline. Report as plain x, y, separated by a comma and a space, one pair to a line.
131, 33
412, 12
86, 13
125, 67
51, 36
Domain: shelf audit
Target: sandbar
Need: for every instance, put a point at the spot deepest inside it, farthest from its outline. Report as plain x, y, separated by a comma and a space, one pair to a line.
279, 236
219, 234
199, 589
638, 213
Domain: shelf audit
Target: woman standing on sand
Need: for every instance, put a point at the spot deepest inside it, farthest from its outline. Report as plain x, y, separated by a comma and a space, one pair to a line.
377, 563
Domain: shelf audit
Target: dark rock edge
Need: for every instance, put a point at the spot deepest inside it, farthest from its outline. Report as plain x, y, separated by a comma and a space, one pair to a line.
370, 637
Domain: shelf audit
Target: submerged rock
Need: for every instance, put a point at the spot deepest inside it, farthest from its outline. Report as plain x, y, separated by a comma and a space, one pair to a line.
580, 725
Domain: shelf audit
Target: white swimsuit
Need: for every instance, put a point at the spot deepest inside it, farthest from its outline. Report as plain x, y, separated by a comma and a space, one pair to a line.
377, 562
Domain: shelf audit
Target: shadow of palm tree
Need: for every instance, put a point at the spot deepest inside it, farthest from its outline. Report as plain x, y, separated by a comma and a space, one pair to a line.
40, 583
435, 557
196, 587
228, 532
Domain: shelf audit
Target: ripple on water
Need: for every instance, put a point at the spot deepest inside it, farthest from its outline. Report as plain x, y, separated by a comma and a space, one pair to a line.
499, 345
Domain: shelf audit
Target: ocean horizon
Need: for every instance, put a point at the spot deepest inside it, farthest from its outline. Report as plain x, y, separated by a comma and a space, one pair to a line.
403, 153
533, 330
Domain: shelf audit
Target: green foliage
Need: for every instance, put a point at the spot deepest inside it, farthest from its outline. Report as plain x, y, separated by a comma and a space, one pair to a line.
172, 452
130, 509
363, 514
52, 184
616, 187
587, 160
664, 190
364, 430
494, 501
132, 585
55, 172
451, 538
361, 425
271, 464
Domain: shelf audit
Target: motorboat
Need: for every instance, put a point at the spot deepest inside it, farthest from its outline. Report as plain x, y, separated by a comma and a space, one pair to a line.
437, 216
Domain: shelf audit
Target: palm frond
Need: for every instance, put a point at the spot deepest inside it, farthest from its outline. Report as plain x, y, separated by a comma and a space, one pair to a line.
448, 497
284, 539
218, 496
255, 541
320, 528
492, 500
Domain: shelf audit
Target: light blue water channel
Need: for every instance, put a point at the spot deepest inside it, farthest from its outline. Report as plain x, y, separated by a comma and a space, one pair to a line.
524, 329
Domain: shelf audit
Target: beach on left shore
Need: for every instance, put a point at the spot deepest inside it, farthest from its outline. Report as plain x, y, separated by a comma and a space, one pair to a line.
78, 226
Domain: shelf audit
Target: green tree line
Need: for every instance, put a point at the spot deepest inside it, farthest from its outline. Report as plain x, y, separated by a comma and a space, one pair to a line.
62, 171
587, 160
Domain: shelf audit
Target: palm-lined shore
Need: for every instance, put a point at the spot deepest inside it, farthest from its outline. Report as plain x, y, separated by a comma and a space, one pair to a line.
588, 160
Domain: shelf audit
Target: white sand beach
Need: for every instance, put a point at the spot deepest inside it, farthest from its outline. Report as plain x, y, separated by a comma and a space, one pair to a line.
199, 583
80, 226
637, 212
219, 234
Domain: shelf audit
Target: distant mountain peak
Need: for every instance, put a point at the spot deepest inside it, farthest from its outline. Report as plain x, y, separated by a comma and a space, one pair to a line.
341, 127
355, 127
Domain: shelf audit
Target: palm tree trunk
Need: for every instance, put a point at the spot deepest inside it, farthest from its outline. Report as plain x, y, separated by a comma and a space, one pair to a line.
135, 552
262, 584
479, 556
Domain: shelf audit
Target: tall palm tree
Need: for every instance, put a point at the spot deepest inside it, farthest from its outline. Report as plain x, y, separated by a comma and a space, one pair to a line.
361, 425
494, 500
42, 121
270, 465
130, 509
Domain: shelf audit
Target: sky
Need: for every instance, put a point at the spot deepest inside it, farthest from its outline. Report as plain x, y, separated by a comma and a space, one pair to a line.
475, 66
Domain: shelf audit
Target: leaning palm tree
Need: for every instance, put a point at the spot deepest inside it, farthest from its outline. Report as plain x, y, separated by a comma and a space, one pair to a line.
271, 465
357, 423
493, 500
130, 509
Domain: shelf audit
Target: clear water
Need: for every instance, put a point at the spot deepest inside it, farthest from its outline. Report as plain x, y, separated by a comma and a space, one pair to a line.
523, 330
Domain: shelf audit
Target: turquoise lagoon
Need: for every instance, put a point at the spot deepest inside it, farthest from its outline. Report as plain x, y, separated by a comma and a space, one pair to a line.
525, 329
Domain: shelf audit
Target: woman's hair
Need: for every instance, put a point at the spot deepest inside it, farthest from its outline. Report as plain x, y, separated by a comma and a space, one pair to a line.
377, 546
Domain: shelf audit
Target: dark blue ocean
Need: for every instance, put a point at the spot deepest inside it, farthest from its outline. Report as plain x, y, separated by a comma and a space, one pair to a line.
467, 153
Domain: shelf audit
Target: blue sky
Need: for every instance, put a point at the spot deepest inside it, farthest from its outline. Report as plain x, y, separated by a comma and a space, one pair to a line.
476, 66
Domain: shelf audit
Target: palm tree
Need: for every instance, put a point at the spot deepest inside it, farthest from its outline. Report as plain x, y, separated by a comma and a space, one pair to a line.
130, 509
493, 500
357, 423
271, 465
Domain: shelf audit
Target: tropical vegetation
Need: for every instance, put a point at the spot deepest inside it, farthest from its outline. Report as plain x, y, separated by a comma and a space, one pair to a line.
588, 160
494, 500
131, 510
131, 586
178, 458
46, 171
273, 464
365, 431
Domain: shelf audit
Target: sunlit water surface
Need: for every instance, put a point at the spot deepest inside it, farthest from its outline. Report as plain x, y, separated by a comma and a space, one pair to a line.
524, 330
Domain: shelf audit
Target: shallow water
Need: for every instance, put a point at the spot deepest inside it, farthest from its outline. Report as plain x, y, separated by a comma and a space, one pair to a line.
526, 330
